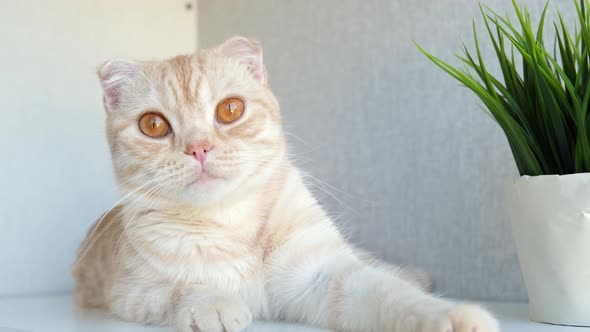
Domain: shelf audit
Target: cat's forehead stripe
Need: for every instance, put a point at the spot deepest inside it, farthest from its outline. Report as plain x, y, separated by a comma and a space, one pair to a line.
183, 78
197, 77
173, 90
204, 90
184, 72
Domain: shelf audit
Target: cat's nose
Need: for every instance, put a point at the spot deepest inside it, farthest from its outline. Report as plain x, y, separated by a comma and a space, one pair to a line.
199, 150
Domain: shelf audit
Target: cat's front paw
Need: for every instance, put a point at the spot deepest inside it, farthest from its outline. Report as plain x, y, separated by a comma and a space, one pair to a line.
216, 313
462, 318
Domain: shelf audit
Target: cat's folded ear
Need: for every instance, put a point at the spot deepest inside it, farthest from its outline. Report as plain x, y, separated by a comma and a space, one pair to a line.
114, 75
250, 52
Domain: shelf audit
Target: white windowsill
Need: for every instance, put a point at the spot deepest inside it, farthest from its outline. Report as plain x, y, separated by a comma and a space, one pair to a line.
57, 313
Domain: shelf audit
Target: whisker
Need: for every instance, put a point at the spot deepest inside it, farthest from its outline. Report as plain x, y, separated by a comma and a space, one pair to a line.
85, 247
170, 185
307, 174
341, 202
137, 176
91, 234
295, 136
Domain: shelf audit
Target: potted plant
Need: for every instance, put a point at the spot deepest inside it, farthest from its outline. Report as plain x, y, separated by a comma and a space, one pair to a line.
541, 100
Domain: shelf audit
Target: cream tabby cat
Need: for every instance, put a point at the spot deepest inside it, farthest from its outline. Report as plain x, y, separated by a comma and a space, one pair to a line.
216, 226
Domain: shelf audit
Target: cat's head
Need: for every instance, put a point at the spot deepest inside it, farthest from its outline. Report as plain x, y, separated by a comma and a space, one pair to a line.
195, 128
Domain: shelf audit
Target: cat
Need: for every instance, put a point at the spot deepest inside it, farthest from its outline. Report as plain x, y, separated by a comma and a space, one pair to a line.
216, 226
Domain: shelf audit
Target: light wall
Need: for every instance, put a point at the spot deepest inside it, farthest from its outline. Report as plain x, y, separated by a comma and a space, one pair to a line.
381, 123
55, 172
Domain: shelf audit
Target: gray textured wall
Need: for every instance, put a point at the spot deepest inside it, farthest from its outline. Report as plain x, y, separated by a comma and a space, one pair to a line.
378, 121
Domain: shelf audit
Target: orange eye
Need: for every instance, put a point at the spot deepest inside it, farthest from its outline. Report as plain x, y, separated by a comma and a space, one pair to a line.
154, 125
229, 110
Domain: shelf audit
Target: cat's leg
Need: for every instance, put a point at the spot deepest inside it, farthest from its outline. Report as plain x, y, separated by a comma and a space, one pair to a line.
316, 278
190, 309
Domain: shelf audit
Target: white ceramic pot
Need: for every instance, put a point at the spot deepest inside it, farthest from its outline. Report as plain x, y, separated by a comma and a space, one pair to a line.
550, 217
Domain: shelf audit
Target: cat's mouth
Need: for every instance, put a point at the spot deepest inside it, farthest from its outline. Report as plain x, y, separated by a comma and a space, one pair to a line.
204, 177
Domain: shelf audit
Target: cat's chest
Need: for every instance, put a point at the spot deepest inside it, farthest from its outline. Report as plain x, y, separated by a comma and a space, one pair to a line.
220, 256
200, 250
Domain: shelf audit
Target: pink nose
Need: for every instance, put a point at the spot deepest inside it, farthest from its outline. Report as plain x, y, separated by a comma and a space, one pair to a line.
199, 150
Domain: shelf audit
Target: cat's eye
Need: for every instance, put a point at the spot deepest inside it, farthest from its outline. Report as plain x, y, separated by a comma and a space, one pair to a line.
154, 125
229, 110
